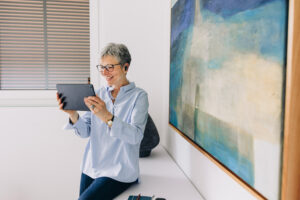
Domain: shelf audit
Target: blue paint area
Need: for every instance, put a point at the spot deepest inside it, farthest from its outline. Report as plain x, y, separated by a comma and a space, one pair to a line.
215, 64
173, 117
274, 37
231, 7
265, 31
182, 27
221, 140
261, 30
182, 17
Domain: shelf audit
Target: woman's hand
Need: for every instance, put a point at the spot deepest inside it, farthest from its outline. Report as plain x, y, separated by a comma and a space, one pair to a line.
73, 114
98, 107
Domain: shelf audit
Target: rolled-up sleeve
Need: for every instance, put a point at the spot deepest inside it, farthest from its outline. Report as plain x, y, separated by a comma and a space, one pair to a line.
82, 127
133, 131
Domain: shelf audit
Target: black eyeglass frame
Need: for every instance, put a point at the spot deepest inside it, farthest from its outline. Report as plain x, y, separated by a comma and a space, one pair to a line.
109, 67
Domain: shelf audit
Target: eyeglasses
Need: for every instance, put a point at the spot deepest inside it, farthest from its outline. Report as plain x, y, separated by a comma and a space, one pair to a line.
109, 67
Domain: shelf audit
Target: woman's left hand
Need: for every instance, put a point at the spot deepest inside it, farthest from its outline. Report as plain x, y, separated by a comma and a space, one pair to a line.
98, 107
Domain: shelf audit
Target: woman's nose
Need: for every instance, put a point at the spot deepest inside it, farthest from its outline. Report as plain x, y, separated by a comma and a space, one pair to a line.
105, 72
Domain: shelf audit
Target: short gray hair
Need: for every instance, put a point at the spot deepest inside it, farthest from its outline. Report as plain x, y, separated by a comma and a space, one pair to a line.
119, 51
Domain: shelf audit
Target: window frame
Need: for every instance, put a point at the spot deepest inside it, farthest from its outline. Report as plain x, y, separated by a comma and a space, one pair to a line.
47, 98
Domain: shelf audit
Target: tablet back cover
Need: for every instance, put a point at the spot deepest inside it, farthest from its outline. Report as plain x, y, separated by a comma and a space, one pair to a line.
73, 94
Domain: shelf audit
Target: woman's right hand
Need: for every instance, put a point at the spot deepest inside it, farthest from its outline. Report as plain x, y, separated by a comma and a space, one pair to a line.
61, 105
72, 113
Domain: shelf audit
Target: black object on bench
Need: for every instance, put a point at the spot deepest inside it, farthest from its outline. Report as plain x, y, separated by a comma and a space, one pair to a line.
151, 138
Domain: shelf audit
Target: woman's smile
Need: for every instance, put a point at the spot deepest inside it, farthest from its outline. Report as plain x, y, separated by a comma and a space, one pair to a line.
108, 78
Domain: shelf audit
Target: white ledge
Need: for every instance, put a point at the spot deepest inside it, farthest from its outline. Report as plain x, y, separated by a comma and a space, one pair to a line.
28, 98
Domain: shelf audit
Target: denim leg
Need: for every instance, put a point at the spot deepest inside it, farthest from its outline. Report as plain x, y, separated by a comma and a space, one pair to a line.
104, 188
85, 182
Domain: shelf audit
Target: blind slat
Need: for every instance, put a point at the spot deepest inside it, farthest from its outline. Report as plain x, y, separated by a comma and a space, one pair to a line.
21, 5
56, 19
65, 13
24, 38
64, 3
75, 17
62, 33
20, 18
68, 9
14, 8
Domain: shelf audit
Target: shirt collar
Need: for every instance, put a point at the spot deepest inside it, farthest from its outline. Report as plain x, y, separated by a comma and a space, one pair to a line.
123, 89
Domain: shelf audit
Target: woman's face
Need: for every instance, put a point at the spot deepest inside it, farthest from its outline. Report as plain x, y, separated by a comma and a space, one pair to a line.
117, 76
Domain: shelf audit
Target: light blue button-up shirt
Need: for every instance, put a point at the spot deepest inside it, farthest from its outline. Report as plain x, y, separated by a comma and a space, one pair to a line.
114, 152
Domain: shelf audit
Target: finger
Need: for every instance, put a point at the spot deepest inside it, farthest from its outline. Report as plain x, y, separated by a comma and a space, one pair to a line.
58, 98
58, 95
87, 103
91, 98
87, 99
59, 102
95, 98
95, 102
61, 106
92, 107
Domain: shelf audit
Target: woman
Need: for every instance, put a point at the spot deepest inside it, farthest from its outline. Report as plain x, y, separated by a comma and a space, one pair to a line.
115, 127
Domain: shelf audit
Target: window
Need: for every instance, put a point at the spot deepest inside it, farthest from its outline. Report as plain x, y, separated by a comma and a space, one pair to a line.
43, 42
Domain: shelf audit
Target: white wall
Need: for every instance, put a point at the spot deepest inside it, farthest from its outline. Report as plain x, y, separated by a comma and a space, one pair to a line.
144, 26
38, 160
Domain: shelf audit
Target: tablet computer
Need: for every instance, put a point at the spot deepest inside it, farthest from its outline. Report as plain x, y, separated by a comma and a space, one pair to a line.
72, 95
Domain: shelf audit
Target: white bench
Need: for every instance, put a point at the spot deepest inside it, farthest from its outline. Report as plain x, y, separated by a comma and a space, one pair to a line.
160, 176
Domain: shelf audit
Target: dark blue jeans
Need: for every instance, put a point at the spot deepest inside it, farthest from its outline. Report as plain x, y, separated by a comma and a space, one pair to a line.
102, 188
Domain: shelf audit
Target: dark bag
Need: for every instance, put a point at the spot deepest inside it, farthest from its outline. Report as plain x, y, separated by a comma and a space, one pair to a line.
151, 138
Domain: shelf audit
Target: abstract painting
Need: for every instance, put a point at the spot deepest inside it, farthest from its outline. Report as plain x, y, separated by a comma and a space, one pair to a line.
227, 72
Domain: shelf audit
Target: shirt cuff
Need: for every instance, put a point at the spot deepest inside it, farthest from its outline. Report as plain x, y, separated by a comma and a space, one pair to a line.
115, 129
125, 132
68, 126
79, 123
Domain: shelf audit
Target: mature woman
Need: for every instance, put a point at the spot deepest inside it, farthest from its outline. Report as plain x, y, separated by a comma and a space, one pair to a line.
114, 125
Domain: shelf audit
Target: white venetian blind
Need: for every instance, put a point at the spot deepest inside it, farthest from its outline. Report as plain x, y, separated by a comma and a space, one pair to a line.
43, 43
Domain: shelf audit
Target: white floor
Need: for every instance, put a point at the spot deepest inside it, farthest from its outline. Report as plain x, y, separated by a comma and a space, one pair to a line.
161, 177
